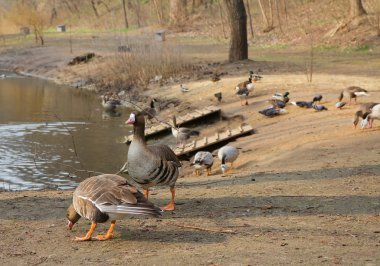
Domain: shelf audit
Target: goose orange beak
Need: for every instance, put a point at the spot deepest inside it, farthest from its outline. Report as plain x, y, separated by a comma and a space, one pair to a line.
129, 121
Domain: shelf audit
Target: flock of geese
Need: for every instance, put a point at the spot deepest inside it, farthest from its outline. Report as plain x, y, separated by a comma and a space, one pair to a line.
108, 197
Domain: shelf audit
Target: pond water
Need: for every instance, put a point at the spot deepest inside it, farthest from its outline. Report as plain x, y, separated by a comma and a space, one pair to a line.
48, 132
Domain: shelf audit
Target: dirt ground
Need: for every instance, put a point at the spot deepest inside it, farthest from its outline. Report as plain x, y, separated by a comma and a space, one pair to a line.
305, 189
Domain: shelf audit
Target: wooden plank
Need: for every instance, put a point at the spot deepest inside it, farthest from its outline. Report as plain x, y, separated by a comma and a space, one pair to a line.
218, 137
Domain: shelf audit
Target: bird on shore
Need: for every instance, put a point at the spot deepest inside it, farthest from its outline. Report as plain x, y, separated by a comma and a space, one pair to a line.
218, 96
317, 98
151, 165
110, 103
243, 89
184, 88
227, 154
303, 104
370, 116
362, 109
181, 134
319, 107
281, 97
353, 92
203, 160
277, 103
151, 111
215, 77
103, 198
272, 112
340, 105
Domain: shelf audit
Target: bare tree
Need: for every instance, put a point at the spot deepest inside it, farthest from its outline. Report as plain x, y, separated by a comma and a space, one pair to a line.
356, 8
250, 18
268, 21
238, 26
125, 14
93, 5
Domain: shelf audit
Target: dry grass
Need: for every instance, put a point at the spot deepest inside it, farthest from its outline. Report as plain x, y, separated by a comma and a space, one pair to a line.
143, 61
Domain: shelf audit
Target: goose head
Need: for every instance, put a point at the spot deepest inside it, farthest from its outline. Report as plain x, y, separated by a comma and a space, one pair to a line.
72, 216
224, 167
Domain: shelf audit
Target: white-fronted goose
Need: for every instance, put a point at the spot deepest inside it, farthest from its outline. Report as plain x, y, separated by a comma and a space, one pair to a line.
202, 160
363, 108
353, 92
181, 134
153, 165
227, 154
106, 197
369, 117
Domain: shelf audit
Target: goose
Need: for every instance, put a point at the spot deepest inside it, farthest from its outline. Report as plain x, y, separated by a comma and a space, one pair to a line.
183, 88
106, 197
227, 154
363, 108
202, 160
272, 112
153, 165
152, 110
317, 98
281, 97
340, 105
369, 117
303, 104
353, 92
182, 133
218, 96
109, 103
319, 107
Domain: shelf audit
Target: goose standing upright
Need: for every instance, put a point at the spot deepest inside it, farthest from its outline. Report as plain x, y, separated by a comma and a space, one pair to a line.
227, 154
153, 165
369, 117
182, 133
106, 197
363, 108
353, 92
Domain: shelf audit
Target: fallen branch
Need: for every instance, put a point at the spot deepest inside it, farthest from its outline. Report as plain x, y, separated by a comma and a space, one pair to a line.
226, 231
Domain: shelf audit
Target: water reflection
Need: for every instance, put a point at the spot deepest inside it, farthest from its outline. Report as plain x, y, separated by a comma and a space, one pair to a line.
47, 131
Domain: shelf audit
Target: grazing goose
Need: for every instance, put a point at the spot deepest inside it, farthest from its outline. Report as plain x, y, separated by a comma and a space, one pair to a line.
152, 110
369, 117
363, 108
353, 92
153, 165
317, 98
272, 112
106, 197
182, 133
110, 104
183, 88
281, 97
319, 107
340, 105
303, 104
218, 96
202, 160
227, 154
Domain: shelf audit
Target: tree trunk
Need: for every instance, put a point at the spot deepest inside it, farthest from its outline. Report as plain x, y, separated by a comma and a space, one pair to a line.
94, 8
250, 19
356, 8
178, 11
238, 26
125, 15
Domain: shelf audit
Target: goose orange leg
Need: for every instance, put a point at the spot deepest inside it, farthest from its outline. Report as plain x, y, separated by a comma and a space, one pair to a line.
170, 206
88, 235
146, 193
109, 232
208, 171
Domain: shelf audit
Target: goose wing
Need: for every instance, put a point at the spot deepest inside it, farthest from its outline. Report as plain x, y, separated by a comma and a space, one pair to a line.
164, 152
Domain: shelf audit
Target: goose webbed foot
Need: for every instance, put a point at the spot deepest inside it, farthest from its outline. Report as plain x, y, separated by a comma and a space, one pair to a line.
170, 206
87, 237
109, 233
